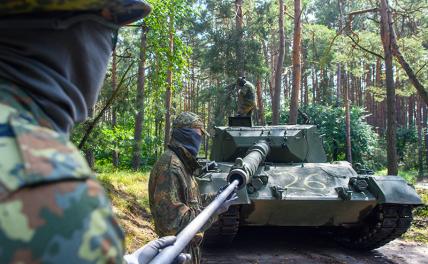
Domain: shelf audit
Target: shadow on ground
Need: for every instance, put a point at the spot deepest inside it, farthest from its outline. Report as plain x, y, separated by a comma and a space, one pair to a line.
303, 245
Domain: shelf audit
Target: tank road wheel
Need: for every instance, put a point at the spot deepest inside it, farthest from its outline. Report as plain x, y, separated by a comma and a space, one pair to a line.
386, 223
223, 231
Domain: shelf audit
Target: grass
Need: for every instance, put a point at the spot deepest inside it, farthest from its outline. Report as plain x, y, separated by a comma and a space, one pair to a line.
130, 200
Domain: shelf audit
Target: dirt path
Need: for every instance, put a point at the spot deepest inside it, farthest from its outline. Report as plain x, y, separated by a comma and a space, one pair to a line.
263, 245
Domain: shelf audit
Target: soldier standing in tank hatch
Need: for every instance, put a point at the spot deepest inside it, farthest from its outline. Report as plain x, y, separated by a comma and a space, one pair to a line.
173, 191
246, 97
53, 59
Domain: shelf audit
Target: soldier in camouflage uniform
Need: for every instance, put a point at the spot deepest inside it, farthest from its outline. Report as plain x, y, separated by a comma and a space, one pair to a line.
173, 191
52, 64
246, 97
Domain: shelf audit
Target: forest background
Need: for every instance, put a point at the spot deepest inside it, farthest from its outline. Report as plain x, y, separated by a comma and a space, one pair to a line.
338, 61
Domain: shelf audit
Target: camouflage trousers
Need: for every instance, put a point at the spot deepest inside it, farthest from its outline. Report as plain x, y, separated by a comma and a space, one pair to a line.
52, 210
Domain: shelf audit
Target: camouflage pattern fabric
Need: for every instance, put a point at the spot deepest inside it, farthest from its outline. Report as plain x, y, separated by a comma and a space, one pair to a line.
189, 120
51, 208
120, 11
246, 99
174, 195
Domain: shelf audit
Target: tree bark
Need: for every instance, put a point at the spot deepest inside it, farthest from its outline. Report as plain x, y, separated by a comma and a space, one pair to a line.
115, 153
239, 32
386, 35
89, 152
168, 91
423, 93
420, 139
276, 103
260, 106
424, 122
139, 103
411, 111
347, 122
294, 106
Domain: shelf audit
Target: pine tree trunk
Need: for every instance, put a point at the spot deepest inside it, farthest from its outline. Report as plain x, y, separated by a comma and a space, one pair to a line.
420, 139
424, 122
368, 100
294, 106
260, 106
139, 103
386, 24
276, 103
239, 32
411, 111
115, 153
346, 102
89, 152
168, 93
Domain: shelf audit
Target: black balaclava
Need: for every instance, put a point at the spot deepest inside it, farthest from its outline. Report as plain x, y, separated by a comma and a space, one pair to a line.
189, 138
62, 70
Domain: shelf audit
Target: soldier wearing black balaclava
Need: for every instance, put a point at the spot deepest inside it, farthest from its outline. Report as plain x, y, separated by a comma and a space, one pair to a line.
53, 59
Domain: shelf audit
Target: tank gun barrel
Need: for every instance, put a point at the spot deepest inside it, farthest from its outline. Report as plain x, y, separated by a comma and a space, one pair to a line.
246, 167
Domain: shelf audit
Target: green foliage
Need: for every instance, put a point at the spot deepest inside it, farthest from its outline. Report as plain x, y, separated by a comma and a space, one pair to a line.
204, 66
331, 123
407, 142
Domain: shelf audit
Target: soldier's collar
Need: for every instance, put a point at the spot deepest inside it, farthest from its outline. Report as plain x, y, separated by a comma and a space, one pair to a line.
184, 155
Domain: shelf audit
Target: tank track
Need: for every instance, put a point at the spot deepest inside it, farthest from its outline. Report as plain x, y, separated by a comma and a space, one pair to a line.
222, 232
384, 224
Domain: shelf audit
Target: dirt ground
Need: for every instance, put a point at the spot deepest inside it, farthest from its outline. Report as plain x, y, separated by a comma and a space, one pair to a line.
273, 245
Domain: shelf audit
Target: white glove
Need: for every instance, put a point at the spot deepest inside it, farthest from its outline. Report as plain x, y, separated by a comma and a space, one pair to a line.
225, 206
147, 253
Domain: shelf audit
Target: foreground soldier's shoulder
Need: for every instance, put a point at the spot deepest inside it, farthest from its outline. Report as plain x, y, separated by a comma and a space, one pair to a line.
34, 155
61, 222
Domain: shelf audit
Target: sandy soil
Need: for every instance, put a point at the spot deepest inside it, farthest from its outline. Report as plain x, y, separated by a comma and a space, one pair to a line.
273, 245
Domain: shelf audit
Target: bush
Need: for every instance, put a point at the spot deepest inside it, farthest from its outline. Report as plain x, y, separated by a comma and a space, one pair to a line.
365, 142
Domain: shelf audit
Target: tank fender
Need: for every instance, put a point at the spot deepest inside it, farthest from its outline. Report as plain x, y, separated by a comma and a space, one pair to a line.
393, 190
212, 182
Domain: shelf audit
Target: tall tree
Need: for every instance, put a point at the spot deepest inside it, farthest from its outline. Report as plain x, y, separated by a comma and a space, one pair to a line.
347, 121
385, 26
169, 73
279, 64
115, 153
260, 106
297, 69
139, 102
239, 21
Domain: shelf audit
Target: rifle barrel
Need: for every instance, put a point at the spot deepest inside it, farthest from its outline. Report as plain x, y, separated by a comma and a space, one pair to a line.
169, 254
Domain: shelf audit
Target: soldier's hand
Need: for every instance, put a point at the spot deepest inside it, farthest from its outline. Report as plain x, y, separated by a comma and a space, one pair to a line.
225, 206
147, 253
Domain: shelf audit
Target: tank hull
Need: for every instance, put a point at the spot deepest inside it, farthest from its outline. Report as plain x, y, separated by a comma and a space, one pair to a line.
310, 194
295, 186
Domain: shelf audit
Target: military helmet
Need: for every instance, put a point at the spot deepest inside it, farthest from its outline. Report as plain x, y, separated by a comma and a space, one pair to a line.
120, 12
189, 120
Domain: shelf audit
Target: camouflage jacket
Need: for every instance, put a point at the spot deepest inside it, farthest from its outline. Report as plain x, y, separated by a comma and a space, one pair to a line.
51, 208
174, 195
246, 99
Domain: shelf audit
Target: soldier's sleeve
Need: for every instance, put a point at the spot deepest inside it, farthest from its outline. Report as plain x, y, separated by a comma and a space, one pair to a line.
63, 222
51, 208
169, 208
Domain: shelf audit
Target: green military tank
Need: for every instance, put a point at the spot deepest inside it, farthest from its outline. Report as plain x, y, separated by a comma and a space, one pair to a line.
285, 180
